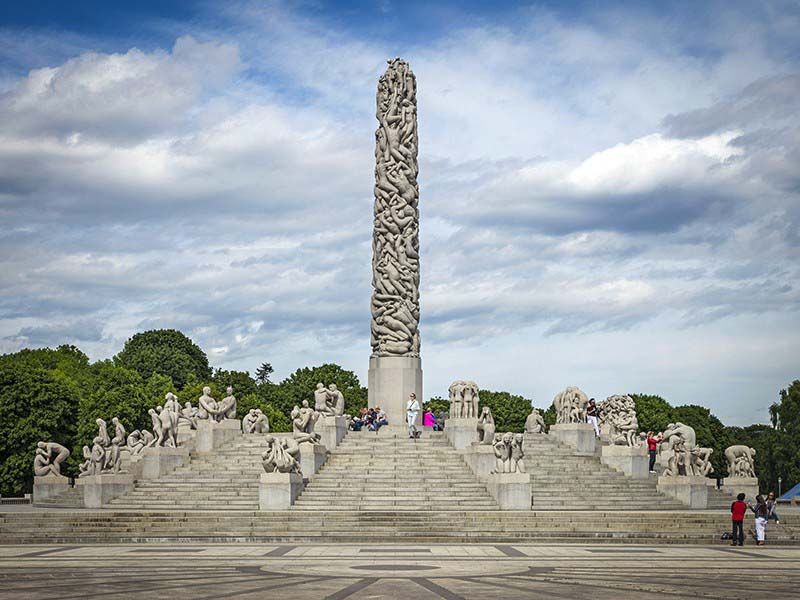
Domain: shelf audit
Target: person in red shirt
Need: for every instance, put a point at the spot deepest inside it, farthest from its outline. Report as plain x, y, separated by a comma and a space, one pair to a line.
738, 510
652, 447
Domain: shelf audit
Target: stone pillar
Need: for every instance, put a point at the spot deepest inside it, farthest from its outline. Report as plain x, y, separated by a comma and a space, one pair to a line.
212, 435
632, 461
48, 486
331, 429
312, 457
481, 460
160, 461
461, 432
737, 485
689, 489
278, 491
100, 489
580, 436
511, 490
395, 369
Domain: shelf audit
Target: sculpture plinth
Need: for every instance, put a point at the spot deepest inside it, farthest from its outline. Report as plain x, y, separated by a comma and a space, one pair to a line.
48, 486
391, 380
631, 460
741, 485
278, 491
689, 489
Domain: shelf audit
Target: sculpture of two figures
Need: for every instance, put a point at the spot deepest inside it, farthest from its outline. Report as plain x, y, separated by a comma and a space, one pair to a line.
486, 427
165, 427
741, 461
280, 455
139, 440
255, 421
619, 422
303, 420
695, 461
464, 400
571, 406
48, 458
328, 400
534, 423
105, 455
509, 453
208, 408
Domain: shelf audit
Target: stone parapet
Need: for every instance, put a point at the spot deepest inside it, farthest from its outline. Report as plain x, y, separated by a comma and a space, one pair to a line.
512, 491
331, 429
311, 459
99, 489
631, 461
579, 436
211, 435
481, 460
691, 490
278, 491
49, 486
159, 461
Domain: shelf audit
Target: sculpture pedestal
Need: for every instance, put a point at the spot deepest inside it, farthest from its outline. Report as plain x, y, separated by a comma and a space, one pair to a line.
738, 485
579, 436
312, 457
278, 491
461, 432
511, 490
132, 463
331, 429
634, 462
212, 435
99, 489
160, 461
481, 460
48, 486
689, 489
185, 432
390, 381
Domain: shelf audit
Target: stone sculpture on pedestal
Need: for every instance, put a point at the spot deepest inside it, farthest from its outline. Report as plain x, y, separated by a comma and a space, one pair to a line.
486, 427
262, 422
571, 406
249, 421
618, 421
534, 423
171, 403
741, 461
464, 400
135, 443
395, 369
87, 466
207, 406
115, 452
227, 408
328, 400
280, 456
509, 453
44, 463
188, 414
303, 420
675, 431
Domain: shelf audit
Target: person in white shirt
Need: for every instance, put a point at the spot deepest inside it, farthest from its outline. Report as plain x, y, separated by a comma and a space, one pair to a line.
412, 410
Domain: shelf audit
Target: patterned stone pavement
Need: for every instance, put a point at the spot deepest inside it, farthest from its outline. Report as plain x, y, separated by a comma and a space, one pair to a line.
419, 572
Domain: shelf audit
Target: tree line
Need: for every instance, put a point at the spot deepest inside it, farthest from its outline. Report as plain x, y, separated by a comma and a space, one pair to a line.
56, 395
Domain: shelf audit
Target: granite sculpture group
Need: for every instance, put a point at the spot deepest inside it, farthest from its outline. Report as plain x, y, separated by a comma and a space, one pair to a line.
328, 400
464, 400
570, 406
618, 421
509, 453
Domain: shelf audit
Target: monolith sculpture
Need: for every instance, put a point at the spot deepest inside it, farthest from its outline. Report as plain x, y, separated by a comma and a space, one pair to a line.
395, 368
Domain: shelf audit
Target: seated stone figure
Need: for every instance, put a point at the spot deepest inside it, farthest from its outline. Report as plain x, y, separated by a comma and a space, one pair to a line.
44, 463
85, 468
226, 409
249, 421
303, 420
262, 422
188, 415
534, 423
135, 443
486, 427
207, 406
516, 462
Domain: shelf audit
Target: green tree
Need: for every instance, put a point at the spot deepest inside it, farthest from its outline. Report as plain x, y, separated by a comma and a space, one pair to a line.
301, 384
156, 388
241, 382
193, 389
36, 404
277, 421
653, 412
437, 405
509, 410
165, 351
263, 374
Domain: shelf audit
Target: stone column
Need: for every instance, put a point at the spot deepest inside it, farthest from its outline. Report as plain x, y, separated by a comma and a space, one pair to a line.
395, 368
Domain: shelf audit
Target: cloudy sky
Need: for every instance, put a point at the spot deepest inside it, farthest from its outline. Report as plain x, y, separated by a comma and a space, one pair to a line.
610, 193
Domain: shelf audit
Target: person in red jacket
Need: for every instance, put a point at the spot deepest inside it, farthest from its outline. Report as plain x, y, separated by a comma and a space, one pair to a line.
652, 447
738, 510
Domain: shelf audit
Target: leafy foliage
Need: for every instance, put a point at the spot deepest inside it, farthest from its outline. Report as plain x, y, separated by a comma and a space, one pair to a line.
509, 410
301, 384
165, 351
241, 382
263, 374
653, 412
277, 421
437, 405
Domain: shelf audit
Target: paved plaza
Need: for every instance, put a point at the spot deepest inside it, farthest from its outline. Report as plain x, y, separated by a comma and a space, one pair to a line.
397, 571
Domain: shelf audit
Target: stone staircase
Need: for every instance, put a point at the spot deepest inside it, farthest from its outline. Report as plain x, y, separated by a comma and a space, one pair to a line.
226, 479
389, 471
562, 480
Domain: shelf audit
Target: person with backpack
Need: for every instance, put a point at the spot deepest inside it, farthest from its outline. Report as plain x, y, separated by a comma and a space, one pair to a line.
738, 510
762, 513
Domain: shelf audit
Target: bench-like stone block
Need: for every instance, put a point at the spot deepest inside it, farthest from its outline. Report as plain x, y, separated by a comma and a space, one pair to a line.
634, 462
331, 429
48, 486
159, 461
211, 435
689, 489
312, 457
579, 436
511, 490
100, 489
481, 460
737, 485
461, 432
278, 491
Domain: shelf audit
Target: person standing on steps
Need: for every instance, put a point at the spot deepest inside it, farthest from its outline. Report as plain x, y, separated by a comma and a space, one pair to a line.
652, 448
738, 510
412, 411
762, 512
591, 416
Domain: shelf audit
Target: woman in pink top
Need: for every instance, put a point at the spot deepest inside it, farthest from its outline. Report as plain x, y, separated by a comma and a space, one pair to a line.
428, 420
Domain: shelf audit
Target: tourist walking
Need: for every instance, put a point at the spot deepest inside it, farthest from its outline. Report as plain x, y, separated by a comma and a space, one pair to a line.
652, 448
592, 413
738, 510
412, 411
762, 512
